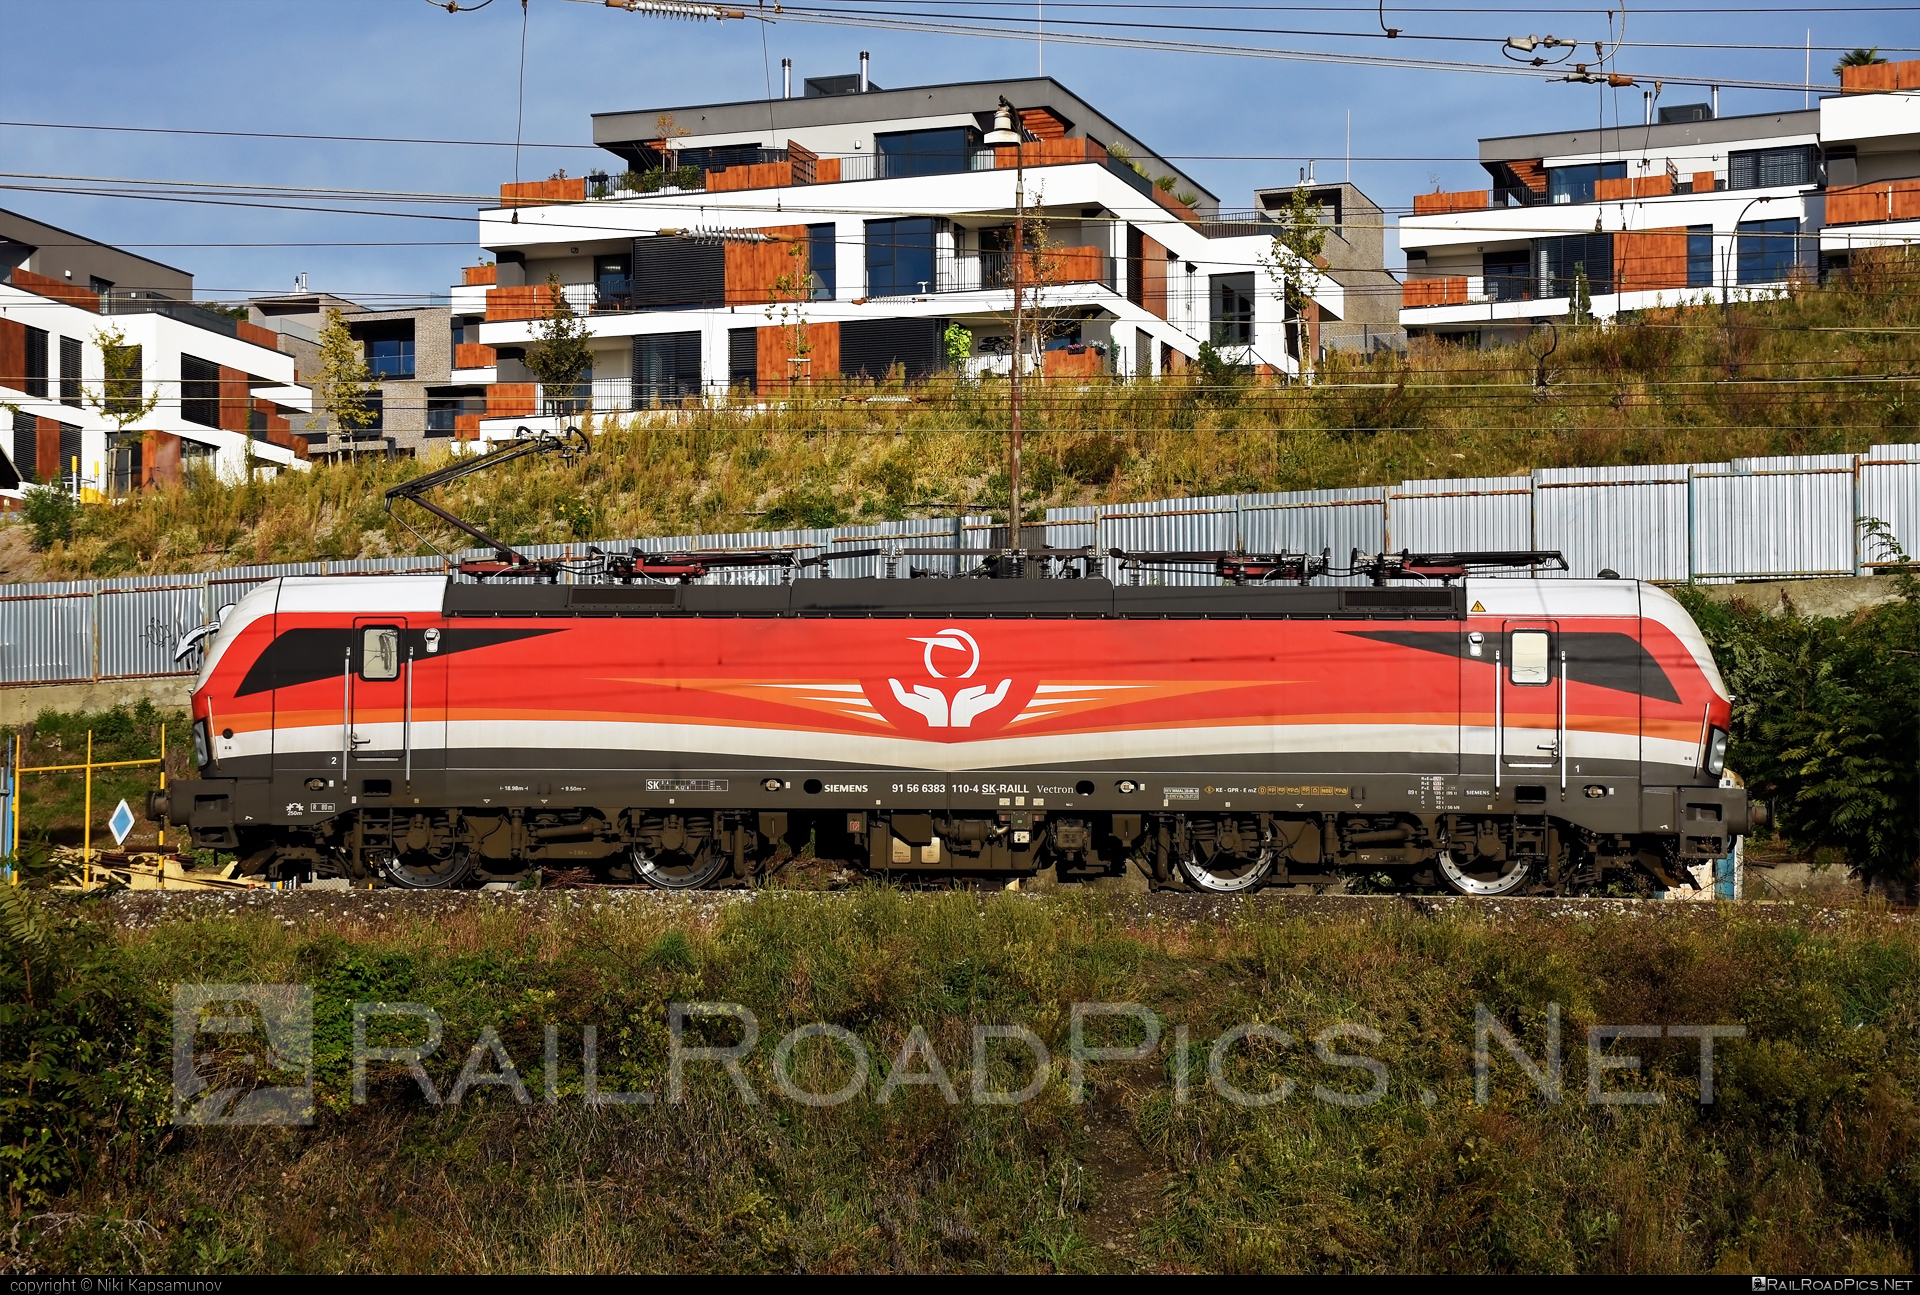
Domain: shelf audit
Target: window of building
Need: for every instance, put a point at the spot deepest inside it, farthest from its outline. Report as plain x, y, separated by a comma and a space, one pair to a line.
199, 391
1232, 310
36, 383
900, 256
613, 281
70, 371
390, 357
743, 357
1766, 249
676, 273
72, 445
1700, 256
875, 347
1766, 168
666, 368
1508, 276
376, 403
97, 284
26, 446
1560, 262
447, 404
1575, 183
942, 151
823, 260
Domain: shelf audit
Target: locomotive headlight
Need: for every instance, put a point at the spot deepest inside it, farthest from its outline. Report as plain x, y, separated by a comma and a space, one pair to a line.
201, 748
1717, 752
1127, 786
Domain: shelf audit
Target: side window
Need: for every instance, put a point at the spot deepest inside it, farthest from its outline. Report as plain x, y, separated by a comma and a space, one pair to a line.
1529, 657
380, 652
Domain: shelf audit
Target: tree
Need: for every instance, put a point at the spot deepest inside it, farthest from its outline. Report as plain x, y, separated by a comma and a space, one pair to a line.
792, 289
1294, 262
120, 396
341, 387
959, 343
1858, 58
563, 355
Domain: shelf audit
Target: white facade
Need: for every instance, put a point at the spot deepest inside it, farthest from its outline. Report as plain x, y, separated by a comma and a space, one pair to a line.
163, 339
1092, 203
1562, 200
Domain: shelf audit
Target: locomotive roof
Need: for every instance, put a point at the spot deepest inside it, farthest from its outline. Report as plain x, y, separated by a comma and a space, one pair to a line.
952, 598
863, 597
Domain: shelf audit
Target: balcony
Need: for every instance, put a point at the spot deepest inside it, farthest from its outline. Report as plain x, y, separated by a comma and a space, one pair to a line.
1628, 187
530, 301
474, 355
1445, 204
1417, 294
1863, 204
993, 272
1878, 78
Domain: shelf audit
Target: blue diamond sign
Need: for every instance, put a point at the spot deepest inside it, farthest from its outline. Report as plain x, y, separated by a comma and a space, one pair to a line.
121, 822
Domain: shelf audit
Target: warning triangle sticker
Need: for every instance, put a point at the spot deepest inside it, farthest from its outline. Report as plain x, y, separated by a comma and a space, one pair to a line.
1476, 606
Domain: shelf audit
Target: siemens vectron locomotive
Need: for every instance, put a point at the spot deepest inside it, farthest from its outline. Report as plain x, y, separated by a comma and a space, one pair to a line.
1491, 735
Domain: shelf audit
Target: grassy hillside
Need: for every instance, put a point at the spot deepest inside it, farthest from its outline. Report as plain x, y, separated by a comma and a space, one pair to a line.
1799, 1164
1816, 371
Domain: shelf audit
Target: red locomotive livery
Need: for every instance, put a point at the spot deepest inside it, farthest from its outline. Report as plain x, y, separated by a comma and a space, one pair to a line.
1495, 736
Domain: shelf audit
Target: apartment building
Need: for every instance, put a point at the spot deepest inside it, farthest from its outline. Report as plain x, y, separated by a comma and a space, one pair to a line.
409, 358
225, 391
1685, 208
1355, 254
743, 247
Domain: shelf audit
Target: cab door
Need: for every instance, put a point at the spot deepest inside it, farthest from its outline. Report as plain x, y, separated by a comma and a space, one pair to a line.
1530, 728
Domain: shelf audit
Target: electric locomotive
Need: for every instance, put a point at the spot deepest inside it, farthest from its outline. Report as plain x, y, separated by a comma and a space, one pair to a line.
1494, 736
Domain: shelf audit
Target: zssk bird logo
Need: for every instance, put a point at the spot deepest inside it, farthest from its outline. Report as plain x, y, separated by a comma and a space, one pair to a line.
933, 702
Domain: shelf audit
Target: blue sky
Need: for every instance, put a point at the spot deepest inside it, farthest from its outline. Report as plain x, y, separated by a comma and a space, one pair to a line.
408, 68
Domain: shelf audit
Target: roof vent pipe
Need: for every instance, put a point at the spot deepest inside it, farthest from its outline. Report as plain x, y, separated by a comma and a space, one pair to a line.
863, 71
786, 78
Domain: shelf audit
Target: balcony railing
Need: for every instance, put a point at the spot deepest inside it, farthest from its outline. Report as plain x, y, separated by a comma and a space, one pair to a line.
993, 271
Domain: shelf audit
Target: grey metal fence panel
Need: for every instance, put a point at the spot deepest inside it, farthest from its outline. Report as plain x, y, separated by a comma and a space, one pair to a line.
1630, 520
1172, 525
1791, 520
140, 627
1890, 493
1308, 521
46, 640
1474, 513
1747, 519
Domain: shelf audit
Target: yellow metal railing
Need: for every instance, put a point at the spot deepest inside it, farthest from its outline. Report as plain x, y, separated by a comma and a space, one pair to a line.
89, 765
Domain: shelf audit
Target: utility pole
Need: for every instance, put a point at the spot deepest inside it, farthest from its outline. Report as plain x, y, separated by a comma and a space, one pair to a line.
1007, 130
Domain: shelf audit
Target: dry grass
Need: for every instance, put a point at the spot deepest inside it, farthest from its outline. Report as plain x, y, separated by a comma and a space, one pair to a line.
1797, 1166
1814, 371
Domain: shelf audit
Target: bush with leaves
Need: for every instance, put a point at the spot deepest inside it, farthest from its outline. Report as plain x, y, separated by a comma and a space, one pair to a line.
50, 513
79, 1090
1826, 726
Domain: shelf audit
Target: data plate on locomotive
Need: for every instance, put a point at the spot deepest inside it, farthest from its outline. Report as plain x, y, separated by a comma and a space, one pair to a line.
686, 784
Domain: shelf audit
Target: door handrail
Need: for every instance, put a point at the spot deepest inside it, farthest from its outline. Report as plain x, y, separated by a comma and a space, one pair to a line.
1499, 722
1562, 739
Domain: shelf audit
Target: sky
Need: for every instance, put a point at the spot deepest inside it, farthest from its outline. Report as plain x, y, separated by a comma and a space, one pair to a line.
408, 68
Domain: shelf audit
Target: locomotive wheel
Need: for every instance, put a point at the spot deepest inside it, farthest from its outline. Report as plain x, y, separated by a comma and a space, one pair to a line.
1226, 874
418, 870
1482, 877
674, 870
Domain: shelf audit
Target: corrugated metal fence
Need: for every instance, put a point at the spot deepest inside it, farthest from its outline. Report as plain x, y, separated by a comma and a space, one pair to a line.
1751, 519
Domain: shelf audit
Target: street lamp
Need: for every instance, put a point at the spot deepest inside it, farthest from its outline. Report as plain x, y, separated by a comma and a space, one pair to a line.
1733, 251
1008, 131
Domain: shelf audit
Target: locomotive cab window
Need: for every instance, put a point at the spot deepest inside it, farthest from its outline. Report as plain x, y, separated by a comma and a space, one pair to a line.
1530, 660
380, 652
